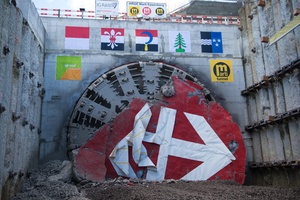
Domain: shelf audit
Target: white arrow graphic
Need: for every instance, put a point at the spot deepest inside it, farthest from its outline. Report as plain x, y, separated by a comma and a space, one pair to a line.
214, 154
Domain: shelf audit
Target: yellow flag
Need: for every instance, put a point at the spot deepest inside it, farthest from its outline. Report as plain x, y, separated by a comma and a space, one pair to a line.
286, 29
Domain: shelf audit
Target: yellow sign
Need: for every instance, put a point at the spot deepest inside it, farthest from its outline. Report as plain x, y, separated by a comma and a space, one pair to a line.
159, 11
286, 29
221, 71
133, 11
149, 10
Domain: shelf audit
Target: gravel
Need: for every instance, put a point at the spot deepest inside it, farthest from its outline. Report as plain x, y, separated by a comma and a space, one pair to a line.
53, 181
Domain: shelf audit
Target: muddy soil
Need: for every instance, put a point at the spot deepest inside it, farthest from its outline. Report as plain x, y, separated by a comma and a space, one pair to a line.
53, 181
169, 189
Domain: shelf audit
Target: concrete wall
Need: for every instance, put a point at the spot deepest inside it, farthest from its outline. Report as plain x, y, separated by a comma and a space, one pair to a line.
61, 95
27, 135
21, 78
281, 141
23, 42
200, 7
32, 16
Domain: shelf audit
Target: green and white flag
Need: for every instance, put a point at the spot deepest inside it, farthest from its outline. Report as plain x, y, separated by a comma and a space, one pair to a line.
180, 41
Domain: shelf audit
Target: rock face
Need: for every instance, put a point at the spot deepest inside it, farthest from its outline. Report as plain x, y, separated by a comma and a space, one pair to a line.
65, 173
21, 93
271, 64
168, 89
51, 180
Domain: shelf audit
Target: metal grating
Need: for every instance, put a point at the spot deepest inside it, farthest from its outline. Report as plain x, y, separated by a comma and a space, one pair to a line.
112, 92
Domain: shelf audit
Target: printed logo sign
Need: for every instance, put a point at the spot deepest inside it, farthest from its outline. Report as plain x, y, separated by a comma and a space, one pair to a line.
211, 42
68, 68
112, 39
179, 41
146, 11
133, 11
221, 71
109, 8
146, 40
151, 10
159, 11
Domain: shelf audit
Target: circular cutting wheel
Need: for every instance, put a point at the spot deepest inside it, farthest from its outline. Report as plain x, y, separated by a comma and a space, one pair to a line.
109, 94
153, 121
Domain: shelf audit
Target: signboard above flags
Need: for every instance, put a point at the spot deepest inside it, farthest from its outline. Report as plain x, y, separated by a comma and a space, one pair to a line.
147, 9
108, 8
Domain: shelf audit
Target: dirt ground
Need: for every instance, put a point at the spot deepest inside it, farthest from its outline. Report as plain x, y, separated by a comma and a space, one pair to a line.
189, 190
53, 182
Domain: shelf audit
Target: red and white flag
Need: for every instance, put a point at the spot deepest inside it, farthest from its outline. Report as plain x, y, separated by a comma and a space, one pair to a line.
112, 39
146, 40
77, 38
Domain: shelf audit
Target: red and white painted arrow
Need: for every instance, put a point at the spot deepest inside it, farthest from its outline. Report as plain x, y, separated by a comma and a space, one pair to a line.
214, 154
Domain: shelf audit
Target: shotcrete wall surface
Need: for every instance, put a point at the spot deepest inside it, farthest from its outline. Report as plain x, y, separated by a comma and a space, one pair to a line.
21, 84
61, 95
277, 144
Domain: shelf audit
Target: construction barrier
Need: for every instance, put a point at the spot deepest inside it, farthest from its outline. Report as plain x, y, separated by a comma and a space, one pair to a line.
199, 19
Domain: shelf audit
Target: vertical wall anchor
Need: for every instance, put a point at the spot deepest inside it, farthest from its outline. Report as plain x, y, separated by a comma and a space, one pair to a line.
2, 108
42, 93
25, 122
261, 3
5, 50
265, 39
14, 117
250, 16
253, 50
18, 64
31, 127
296, 12
31, 75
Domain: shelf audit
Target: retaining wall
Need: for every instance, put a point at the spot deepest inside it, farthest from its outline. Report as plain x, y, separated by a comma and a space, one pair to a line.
21, 78
266, 107
61, 95
272, 91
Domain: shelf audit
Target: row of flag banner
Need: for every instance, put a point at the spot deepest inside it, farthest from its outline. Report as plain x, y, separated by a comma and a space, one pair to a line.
69, 68
77, 38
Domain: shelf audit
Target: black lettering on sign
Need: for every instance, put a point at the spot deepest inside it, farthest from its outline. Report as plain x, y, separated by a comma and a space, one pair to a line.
134, 11
221, 71
159, 11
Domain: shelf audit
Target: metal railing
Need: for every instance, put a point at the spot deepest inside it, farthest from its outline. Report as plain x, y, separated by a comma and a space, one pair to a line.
199, 19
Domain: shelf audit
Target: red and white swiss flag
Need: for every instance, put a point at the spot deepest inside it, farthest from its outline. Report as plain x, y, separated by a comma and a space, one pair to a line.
77, 38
